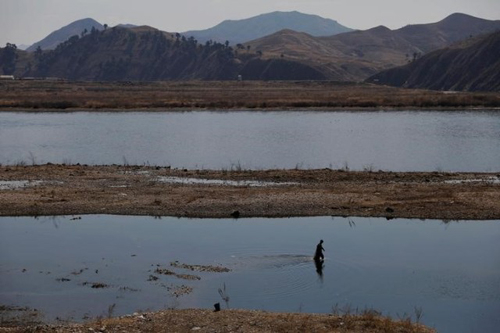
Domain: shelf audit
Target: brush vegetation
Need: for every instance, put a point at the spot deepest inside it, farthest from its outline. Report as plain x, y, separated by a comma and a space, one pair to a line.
222, 95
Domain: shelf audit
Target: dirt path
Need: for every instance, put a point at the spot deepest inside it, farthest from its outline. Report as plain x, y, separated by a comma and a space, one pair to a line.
128, 190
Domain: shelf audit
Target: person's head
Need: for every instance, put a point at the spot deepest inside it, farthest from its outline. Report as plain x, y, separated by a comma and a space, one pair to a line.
321, 241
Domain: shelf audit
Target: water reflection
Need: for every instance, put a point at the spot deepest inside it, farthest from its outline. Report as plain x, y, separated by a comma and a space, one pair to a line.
320, 265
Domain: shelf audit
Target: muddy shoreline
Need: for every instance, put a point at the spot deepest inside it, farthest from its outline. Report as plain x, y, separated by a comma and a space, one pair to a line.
44, 190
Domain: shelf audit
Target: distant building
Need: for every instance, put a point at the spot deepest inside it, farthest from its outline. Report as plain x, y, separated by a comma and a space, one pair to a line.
7, 77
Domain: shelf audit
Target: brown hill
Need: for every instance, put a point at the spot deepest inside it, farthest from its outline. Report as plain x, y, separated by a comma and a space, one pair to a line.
359, 54
147, 54
472, 66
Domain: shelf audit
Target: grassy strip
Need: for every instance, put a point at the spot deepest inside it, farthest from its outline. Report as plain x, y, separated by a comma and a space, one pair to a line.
229, 95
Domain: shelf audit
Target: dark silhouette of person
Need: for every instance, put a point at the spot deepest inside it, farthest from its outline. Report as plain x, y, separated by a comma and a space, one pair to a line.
318, 256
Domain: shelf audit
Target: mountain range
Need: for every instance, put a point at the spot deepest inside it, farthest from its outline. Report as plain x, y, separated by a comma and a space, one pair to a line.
356, 55
145, 53
241, 31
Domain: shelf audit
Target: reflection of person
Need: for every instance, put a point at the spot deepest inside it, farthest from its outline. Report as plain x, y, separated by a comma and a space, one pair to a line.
319, 268
319, 252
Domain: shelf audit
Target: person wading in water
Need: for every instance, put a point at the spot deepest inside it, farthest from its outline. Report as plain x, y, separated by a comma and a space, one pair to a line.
318, 256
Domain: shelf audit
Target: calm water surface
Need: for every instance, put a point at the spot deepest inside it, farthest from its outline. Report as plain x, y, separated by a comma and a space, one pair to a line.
449, 270
397, 141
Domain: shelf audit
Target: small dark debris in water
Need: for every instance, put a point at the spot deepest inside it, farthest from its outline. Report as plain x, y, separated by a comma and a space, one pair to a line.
164, 271
153, 278
134, 255
178, 291
235, 214
388, 218
200, 268
128, 289
389, 210
63, 280
97, 271
79, 272
76, 218
95, 285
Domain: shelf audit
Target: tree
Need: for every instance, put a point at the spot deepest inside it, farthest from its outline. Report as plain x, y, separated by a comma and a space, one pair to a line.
248, 48
38, 52
84, 32
9, 57
105, 26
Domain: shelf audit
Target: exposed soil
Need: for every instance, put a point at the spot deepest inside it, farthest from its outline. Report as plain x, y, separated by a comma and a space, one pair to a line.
131, 190
234, 321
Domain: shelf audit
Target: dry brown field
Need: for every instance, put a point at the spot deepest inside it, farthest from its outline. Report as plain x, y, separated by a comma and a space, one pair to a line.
233, 95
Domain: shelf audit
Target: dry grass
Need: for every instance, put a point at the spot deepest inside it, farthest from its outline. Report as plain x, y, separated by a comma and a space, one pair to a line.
34, 95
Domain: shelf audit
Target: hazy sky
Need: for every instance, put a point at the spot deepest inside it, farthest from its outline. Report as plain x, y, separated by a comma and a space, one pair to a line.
28, 21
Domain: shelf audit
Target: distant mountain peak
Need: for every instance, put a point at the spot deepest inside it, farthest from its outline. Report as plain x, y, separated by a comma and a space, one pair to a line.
380, 28
245, 30
61, 35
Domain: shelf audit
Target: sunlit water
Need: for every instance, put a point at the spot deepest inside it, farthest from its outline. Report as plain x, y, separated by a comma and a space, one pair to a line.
449, 270
397, 141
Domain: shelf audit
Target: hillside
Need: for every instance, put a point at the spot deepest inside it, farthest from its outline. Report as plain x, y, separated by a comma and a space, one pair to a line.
61, 35
462, 67
147, 54
241, 31
359, 54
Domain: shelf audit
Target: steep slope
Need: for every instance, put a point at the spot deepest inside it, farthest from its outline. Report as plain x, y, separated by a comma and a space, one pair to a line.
147, 54
57, 37
473, 67
456, 27
359, 54
241, 31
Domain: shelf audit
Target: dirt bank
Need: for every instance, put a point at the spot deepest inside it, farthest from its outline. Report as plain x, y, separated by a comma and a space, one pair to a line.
129, 190
235, 321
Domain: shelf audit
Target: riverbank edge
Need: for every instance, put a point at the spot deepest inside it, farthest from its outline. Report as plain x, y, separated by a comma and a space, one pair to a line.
381, 108
188, 320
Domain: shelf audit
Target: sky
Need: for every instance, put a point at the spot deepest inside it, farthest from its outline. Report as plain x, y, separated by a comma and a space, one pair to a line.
28, 21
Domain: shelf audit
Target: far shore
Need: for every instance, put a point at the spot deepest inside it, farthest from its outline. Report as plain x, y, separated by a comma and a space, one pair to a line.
68, 96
